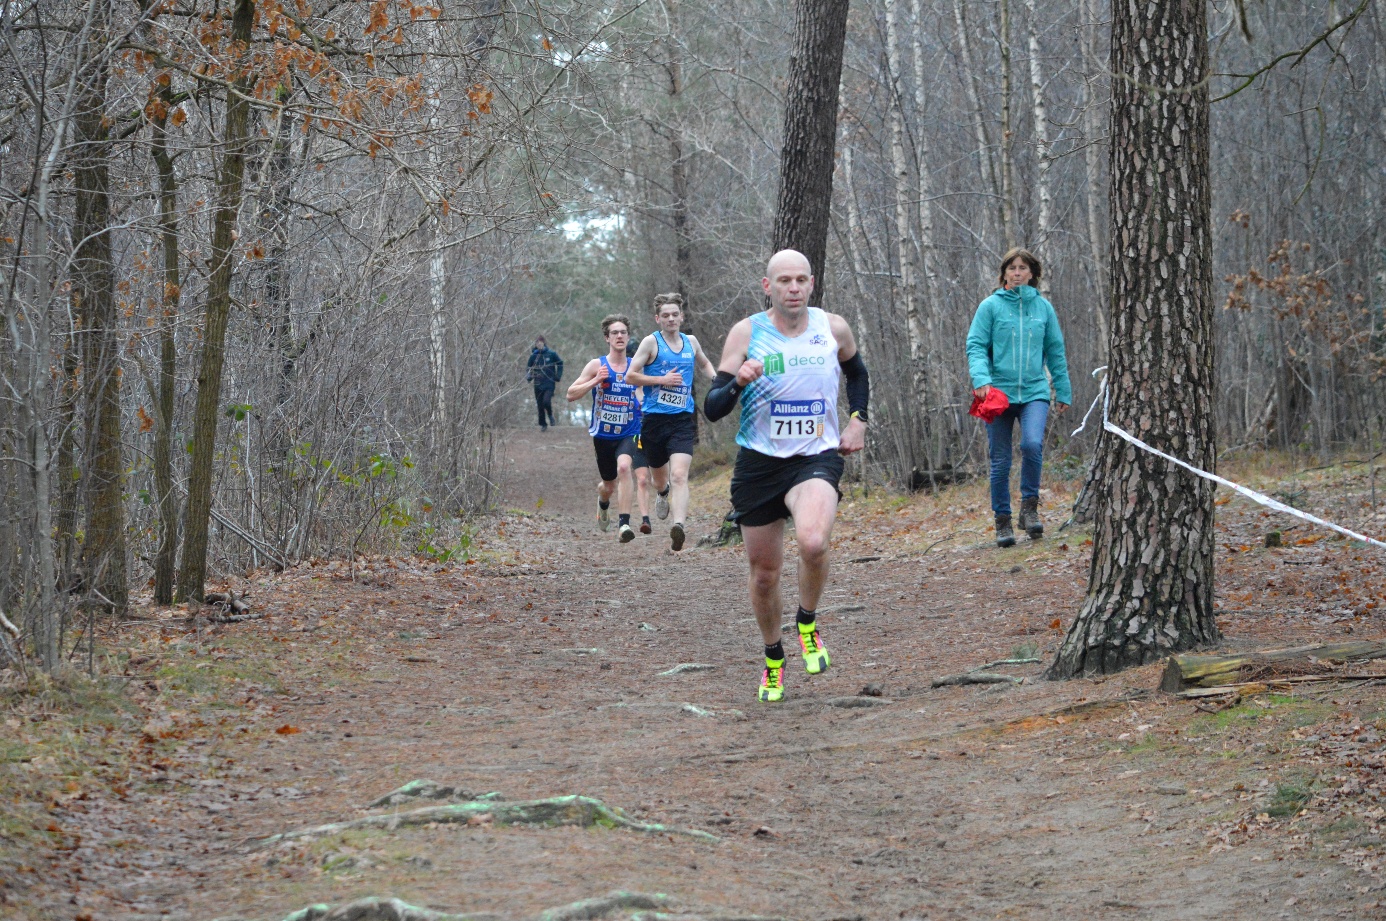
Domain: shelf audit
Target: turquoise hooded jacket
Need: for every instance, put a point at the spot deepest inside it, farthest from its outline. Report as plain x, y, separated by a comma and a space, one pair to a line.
1014, 336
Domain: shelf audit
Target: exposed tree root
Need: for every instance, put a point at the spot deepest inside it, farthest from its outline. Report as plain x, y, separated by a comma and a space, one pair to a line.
635, 906
428, 789
664, 916
860, 701
685, 667
603, 906
973, 678
374, 909
582, 811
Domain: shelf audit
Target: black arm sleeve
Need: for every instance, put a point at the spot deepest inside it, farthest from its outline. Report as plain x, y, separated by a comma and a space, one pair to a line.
721, 399
858, 383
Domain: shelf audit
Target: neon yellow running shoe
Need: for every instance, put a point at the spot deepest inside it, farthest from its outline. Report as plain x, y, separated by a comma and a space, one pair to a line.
816, 659
772, 682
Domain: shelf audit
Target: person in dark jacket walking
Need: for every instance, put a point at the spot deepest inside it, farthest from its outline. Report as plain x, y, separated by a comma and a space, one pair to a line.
545, 371
1013, 339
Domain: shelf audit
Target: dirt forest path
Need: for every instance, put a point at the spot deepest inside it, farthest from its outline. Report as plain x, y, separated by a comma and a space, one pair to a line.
543, 670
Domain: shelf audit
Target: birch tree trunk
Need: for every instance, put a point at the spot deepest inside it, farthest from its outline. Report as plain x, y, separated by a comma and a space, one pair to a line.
1150, 590
1042, 148
437, 325
803, 204
853, 247
928, 263
230, 185
986, 164
904, 249
1092, 157
1008, 232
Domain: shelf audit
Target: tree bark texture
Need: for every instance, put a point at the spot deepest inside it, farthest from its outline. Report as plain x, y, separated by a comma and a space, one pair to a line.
1007, 132
904, 236
1092, 157
165, 556
230, 186
93, 294
985, 162
678, 161
803, 206
1150, 589
1042, 148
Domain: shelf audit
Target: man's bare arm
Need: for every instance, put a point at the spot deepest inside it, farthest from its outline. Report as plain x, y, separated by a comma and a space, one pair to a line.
735, 348
643, 356
590, 377
701, 361
842, 332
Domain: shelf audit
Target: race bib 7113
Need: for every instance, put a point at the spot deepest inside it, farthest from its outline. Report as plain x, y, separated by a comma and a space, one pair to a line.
795, 419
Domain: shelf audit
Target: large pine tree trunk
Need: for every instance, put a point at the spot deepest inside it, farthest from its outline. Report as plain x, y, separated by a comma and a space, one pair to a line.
93, 294
230, 185
805, 196
1150, 590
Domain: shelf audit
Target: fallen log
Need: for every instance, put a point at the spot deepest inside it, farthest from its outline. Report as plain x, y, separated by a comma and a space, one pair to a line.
1192, 671
1247, 689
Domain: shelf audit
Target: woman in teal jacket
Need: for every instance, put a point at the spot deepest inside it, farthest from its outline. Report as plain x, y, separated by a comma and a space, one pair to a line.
1014, 337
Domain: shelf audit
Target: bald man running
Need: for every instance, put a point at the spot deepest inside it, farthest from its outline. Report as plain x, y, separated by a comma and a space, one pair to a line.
785, 366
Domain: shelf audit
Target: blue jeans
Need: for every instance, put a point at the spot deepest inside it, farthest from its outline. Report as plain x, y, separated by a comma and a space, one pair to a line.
1032, 416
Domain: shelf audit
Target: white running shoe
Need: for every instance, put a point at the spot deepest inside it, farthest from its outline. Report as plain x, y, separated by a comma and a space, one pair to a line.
662, 506
604, 518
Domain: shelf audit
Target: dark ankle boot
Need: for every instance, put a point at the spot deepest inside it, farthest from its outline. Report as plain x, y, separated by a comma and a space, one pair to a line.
1029, 518
1005, 537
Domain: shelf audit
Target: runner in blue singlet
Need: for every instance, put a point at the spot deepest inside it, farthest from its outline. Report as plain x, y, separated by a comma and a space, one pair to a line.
616, 419
665, 365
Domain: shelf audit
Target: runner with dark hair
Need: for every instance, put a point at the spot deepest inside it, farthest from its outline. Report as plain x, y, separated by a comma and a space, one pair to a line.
615, 425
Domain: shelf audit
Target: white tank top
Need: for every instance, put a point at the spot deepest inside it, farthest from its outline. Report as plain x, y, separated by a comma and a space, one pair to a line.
792, 409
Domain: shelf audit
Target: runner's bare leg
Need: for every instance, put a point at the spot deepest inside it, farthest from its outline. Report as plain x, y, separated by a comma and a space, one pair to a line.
678, 496
813, 503
765, 552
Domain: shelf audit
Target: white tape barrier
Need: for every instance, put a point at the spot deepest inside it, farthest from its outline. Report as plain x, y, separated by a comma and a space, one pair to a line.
1251, 494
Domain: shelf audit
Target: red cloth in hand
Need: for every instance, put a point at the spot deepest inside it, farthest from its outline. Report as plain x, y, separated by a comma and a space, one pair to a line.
987, 408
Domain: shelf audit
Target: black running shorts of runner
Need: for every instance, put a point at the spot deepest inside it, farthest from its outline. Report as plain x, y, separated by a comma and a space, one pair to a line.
666, 434
760, 482
609, 449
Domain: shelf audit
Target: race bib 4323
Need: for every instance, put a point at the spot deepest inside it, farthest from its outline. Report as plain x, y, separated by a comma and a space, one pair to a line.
672, 397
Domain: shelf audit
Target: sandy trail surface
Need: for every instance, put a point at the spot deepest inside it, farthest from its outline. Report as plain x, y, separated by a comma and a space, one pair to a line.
541, 669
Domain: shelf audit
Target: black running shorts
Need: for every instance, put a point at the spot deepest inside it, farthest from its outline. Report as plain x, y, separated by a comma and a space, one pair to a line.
609, 449
759, 482
665, 434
